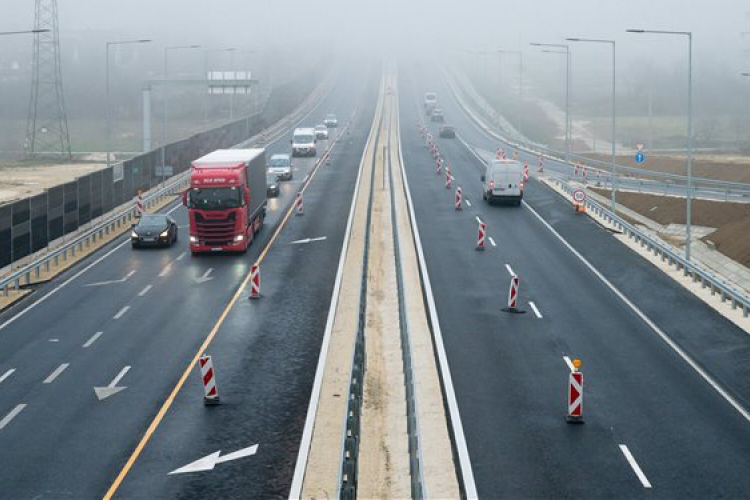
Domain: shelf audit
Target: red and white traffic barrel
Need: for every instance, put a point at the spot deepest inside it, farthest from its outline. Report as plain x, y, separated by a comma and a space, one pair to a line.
208, 377
139, 204
515, 285
299, 204
459, 198
448, 177
254, 282
575, 395
525, 172
480, 236
541, 163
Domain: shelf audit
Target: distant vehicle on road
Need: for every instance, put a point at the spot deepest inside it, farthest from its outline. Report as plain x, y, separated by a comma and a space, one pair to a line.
430, 102
503, 182
226, 200
281, 166
154, 230
304, 142
447, 132
272, 181
321, 132
331, 121
437, 116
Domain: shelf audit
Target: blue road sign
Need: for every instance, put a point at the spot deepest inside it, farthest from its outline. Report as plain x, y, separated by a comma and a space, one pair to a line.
640, 157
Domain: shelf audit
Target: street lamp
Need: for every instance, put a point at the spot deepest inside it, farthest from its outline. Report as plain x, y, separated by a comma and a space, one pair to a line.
106, 98
520, 81
167, 50
689, 193
566, 51
614, 160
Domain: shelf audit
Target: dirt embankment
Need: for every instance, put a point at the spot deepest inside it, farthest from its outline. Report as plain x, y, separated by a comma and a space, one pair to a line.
23, 179
731, 220
721, 167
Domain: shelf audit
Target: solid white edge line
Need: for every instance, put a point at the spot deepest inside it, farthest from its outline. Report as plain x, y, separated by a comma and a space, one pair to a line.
295, 491
93, 339
121, 312
450, 392
145, 290
689, 360
7, 374
569, 363
510, 270
535, 309
56, 373
10, 416
634, 465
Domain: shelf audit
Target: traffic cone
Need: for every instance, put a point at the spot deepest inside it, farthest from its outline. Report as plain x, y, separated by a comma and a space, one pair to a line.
480, 236
515, 284
208, 377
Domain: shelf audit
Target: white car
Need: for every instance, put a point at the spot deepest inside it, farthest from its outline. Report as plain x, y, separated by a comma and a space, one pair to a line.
331, 121
321, 132
281, 166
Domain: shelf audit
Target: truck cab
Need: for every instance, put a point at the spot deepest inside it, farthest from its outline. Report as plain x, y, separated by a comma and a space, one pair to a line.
304, 142
503, 182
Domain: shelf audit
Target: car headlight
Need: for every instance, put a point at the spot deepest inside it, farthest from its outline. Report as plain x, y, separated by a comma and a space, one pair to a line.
239, 238
193, 239
133, 234
164, 233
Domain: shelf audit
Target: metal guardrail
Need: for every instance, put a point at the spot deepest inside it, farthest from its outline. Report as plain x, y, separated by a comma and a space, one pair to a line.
112, 224
668, 253
728, 189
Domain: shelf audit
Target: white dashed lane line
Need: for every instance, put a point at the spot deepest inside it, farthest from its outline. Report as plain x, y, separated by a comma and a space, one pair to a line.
634, 465
10, 416
121, 312
144, 291
535, 309
510, 270
93, 339
6, 375
56, 373
492, 241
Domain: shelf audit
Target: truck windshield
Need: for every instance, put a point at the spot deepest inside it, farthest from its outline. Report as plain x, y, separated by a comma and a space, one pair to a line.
303, 139
215, 198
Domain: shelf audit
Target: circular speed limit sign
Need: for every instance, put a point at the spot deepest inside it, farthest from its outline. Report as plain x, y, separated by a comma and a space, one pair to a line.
579, 196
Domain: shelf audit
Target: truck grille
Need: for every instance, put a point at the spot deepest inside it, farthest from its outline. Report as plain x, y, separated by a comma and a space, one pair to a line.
213, 231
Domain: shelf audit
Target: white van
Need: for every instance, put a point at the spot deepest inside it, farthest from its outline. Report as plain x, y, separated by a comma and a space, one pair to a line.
503, 182
304, 142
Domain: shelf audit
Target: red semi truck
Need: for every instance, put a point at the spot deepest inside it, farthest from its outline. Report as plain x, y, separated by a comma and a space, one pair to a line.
226, 200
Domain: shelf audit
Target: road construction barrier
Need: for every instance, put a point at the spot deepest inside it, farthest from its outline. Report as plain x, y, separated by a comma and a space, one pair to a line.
585, 174
515, 155
525, 172
459, 198
299, 204
255, 282
499, 153
515, 284
438, 166
448, 177
541, 163
139, 204
208, 376
480, 236
577, 167
575, 395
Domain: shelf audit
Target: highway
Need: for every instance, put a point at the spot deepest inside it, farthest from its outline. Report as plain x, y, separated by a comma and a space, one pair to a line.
137, 319
662, 369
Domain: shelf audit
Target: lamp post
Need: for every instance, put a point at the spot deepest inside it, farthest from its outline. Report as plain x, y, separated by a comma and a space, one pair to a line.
520, 82
614, 112
106, 98
566, 51
167, 50
689, 193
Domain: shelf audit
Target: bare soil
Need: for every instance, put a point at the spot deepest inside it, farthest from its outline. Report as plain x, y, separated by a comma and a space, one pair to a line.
24, 179
731, 220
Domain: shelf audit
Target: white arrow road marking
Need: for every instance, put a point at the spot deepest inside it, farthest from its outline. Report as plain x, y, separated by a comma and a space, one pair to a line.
206, 276
112, 389
209, 461
636, 468
535, 309
308, 240
112, 282
7, 374
93, 339
10, 416
56, 373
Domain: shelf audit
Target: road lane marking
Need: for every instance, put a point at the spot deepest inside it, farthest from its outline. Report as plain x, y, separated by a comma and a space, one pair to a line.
7, 374
53, 340
468, 202
636, 468
478, 219
145, 290
492, 242
510, 270
569, 363
649, 322
112, 282
93, 339
10, 416
308, 240
103, 393
121, 312
210, 461
165, 271
181, 256
56, 373
535, 309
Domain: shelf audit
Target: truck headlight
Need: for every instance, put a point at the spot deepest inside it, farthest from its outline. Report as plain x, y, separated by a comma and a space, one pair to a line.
239, 238
193, 239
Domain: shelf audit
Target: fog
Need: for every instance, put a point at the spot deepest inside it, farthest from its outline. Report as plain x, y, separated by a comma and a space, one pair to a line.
281, 38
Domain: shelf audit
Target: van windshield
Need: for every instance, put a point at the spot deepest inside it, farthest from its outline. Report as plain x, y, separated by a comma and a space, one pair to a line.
215, 198
279, 162
303, 139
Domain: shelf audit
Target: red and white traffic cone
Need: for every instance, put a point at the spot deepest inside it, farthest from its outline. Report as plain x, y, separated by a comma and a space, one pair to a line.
499, 153
504, 155
480, 236
254, 282
585, 174
299, 205
139, 204
208, 376
575, 395
541, 163
515, 285
459, 198
578, 165
598, 177
525, 172
448, 177
438, 166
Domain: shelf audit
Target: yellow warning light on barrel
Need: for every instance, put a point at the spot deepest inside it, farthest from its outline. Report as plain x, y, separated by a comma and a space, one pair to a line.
577, 363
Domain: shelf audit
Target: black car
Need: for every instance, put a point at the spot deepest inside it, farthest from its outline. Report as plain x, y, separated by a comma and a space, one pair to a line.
448, 132
154, 230
272, 185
